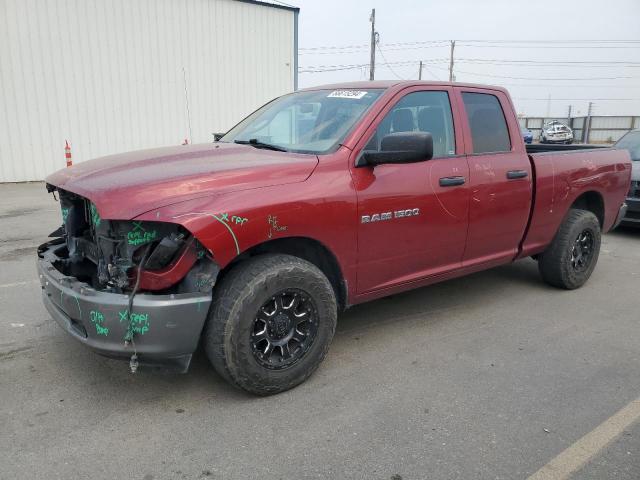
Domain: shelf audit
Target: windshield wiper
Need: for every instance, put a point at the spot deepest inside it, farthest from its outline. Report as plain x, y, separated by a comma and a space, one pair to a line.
254, 142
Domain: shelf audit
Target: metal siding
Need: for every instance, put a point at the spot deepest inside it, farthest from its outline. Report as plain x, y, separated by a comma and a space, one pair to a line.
605, 136
611, 122
108, 75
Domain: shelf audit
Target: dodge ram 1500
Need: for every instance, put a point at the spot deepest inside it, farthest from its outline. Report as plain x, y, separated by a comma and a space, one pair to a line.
321, 199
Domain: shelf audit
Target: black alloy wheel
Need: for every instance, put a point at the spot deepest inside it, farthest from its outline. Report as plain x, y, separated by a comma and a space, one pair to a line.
284, 328
582, 251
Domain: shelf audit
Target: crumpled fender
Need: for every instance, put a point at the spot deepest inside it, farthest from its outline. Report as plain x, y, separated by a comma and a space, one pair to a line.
226, 225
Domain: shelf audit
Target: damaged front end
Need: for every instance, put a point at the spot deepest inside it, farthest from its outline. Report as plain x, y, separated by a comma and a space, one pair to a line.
129, 289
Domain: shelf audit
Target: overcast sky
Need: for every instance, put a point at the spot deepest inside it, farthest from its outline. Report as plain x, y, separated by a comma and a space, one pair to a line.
332, 23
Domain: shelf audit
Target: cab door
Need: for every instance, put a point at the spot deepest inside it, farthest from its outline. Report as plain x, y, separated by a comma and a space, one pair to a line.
500, 177
412, 218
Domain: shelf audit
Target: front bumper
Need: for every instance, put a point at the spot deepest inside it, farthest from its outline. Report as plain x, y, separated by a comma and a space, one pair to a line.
632, 215
166, 328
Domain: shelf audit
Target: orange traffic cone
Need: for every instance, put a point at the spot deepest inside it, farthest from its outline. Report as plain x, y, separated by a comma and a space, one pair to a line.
67, 153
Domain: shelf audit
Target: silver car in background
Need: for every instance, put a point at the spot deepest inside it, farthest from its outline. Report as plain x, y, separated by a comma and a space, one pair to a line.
556, 132
631, 141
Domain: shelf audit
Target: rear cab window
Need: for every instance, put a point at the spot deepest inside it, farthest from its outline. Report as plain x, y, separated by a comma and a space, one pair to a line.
487, 123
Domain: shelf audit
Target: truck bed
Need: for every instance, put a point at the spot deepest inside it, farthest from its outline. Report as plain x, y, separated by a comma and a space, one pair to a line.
560, 147
564, 173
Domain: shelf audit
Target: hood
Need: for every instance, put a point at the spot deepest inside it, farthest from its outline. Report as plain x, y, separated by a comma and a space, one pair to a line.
126, 185
635, 171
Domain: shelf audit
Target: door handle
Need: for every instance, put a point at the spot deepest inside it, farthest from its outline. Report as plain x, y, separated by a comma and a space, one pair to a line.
451, 181
513, 174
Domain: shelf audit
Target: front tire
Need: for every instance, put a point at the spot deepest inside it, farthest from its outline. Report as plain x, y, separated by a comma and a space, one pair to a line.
271, 323
572, 255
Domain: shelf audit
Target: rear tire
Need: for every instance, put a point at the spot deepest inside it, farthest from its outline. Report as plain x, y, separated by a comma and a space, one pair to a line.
572, 255
271, 323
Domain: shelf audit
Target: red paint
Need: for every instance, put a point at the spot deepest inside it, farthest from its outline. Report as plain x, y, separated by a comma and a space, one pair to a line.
488, 221
171, 274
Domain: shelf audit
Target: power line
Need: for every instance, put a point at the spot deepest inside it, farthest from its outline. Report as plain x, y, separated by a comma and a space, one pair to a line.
590, 47
360, 50
334, 68
510, 43
551, 63
542, 79
578, 99
634, 41
388, 64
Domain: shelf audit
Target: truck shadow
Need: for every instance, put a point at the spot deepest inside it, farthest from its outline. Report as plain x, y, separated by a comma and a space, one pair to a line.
97, 377
627, 232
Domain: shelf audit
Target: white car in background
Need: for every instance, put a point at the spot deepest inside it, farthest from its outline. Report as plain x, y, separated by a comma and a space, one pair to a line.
556, 132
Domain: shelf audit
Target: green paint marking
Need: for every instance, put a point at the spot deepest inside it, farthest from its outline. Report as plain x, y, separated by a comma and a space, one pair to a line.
239, 220
223, 218
138, 323
97, 318
79, 309
139, 235
95, 216
235, 240
65, 214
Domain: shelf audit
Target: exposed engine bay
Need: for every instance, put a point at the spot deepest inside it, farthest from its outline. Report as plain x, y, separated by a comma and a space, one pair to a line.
123, 256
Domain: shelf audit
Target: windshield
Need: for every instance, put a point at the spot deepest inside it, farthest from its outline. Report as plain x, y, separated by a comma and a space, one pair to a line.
631, 141
304, 122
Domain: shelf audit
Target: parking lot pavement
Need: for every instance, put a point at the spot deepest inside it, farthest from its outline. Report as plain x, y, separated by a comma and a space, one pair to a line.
485, 377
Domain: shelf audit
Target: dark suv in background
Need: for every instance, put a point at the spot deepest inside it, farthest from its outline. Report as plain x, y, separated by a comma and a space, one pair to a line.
631, 142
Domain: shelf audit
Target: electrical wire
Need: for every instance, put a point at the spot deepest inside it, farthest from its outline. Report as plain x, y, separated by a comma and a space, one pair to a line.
133, 362
543, 79
506, 43
387, 64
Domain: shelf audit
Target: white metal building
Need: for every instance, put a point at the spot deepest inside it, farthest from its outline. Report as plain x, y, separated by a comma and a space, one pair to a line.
117, 75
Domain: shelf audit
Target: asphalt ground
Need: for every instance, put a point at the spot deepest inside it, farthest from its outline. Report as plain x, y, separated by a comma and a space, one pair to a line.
491, 376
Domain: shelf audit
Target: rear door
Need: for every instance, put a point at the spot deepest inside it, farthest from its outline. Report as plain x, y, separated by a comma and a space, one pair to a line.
500, 177
412, 218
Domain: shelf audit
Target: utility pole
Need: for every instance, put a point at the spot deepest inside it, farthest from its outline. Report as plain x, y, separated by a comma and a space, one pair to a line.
420, 71
372, 64
587, 127
451, 75
569, 123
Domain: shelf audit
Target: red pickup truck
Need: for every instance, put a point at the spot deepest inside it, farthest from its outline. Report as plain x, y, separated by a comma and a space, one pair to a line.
321, 199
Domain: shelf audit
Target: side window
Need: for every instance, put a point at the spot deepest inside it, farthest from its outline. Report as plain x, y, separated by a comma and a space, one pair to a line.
420, 112
489, 132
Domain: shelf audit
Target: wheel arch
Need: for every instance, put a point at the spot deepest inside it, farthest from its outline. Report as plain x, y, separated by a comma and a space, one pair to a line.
306, 248
593, 202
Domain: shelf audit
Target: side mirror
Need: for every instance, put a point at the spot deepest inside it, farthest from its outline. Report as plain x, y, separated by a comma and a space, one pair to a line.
400, 147
218, 136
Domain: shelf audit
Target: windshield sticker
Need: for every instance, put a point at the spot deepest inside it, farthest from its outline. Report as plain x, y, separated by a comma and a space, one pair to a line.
353, 94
